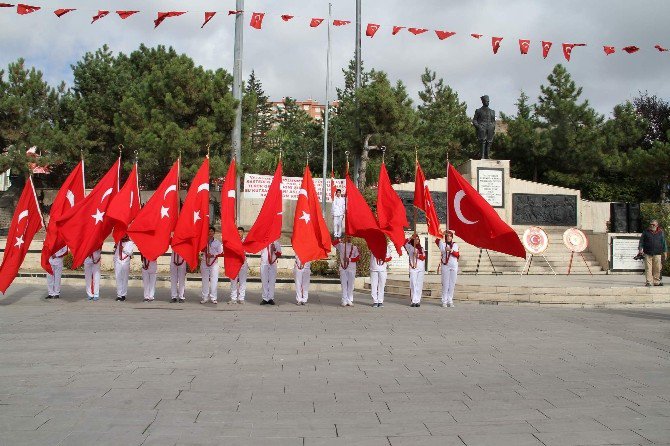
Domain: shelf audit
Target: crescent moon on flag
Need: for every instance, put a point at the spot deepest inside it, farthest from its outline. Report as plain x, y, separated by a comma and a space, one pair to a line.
70, 197
172, 188
303, 192
132, 196
231, 193
106, 194
22, 215
457, 208
203, 186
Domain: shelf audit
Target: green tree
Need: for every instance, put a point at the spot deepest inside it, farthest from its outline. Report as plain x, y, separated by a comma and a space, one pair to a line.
257, 117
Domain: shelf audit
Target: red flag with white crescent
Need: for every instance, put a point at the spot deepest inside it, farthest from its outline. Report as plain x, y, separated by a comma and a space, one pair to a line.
391, 213
27, 220
546, 46
208, 16
26, 9
101, 13
257, 20
397, 29
125, 206
360, 222
166, 14
315, 22
267, 227
609, 50
442, 35
125, 14
61, 12
495, 44
524, 45
371, 29
233, 250
424, 201
310, 238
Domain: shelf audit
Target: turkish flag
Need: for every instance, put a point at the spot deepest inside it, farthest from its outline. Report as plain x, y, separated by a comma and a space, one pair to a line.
391, 213
567, 49
26, 9
442, 35
257, 20
397, 29
235, 11
192, 229
631, 49
310, 238
417, 31
341, 22
424, 201
609, 50
125, 14
71, 192
125, 206
152, 227
360, 222
660, 48
371, 29
286, 17
61, 12
6, 5
333, 187
267, 227
546, 46
208, 16
475, 221
164, 15
99, 15
233, 251
86, 225
27, 220
495, 43
315, 22
524, 45
477, 36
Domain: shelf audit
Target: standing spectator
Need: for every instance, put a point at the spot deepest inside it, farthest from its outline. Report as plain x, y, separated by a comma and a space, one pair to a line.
339, 206
653, 247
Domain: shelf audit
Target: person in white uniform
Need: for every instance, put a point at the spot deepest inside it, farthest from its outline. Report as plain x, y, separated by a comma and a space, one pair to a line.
348, 255
149, 271
302, 273
123, 253
449, 263
209, 268
417, 268
269, 256
339, 207
177, 278
238, 285
378, 273
92, 274
53, 281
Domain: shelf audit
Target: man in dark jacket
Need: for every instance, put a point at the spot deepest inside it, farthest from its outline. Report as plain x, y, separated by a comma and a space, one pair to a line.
653, 246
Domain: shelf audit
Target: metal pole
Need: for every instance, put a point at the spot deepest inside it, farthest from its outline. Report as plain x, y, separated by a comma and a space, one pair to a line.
237, 95
358, 86
327, 115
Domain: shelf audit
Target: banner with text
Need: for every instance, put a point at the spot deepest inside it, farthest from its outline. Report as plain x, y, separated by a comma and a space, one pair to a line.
256, 186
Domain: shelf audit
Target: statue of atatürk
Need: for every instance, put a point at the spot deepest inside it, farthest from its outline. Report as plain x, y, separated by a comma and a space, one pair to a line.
485, 124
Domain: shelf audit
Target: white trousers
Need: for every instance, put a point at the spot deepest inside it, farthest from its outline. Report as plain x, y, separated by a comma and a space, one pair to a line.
268, 278
92, 276
210, 281
121, 271
378, 283
177, 280
302, 277
448, 283
149, 284
416, 284
238, 285
338, 225
347, 277
53, 282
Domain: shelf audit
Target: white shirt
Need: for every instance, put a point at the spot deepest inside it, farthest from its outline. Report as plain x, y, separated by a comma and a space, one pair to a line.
213, 249
57, 258
380, 264
417, 257
299, 266
123, 252
94, 258
150, 267
348, 255
452, 260
338, 206
270, 253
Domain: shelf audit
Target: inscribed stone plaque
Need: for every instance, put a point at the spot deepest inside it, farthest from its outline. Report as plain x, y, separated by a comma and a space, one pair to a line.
490, 185
623, 251
544, 210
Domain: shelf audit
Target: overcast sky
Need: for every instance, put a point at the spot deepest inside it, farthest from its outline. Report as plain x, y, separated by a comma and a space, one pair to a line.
289, 58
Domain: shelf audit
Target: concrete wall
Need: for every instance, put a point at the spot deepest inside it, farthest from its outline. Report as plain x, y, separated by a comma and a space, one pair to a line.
595, 215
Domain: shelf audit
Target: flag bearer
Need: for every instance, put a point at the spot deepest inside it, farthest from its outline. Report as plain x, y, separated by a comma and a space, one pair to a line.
348, 255
269, 256
449, 258
302, 273
53, 281
92, 274
209, 268
177, 277
123, 253
238, 285
417, 268
149, 271
378, 274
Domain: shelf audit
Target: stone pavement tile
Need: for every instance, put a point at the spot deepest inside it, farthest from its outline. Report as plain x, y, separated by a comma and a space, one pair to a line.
659, 434
187, 440
348, 441
301, 430
213, 416
489, 427
500, 440
198, 430
482, 415
12, 423
434, 406
334, 417
161, 440
175, 418
438, 440
575, 425
592, 438
634, 422
653, 409
413, 429
179, 405
31, 438
337, 407
21, 409
102, 439
443, 417
273, 407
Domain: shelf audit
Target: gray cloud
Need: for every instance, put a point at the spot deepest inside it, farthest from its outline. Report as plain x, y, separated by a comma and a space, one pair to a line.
290, 57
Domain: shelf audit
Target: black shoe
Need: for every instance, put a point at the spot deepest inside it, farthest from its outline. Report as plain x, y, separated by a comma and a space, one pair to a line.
271, 302
181, 301
264, 302
118, 298
647, 284
380, 305
659, 284
49, 297
122, 298
412, 305
57, 296
173, 300
303, 303
417, 305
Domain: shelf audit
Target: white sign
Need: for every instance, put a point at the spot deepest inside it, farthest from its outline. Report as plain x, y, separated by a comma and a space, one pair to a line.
490, 186
623, 251
257, 186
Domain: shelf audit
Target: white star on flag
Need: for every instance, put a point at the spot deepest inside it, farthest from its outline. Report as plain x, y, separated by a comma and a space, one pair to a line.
196, 216
164, 212
98, 216
305, 216
19, 241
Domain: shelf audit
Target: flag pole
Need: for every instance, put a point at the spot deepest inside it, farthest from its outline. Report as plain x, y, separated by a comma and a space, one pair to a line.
447, 195
327, 114
83, 176
137, 177
346, 195
178, 181
416, 170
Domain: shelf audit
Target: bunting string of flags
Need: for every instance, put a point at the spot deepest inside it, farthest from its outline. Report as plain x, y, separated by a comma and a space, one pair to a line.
371, 29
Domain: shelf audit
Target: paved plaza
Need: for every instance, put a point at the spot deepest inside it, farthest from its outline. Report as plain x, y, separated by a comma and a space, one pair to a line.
74, 372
